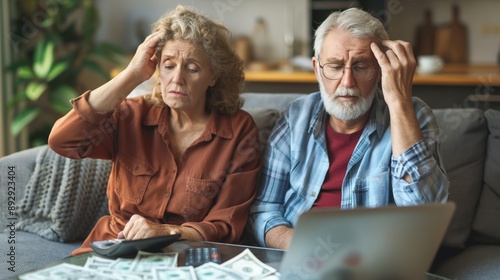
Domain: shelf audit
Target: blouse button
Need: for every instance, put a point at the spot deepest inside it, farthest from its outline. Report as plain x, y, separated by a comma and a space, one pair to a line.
313, 194
167, 194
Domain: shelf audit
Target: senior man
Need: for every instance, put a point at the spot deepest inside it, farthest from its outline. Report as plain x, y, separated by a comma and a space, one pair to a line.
362, 140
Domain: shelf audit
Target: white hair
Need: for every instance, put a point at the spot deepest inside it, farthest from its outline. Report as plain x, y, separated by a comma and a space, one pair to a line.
359, 23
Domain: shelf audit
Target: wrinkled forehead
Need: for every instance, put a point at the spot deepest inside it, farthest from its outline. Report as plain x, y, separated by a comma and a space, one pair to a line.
182, 48
341, 46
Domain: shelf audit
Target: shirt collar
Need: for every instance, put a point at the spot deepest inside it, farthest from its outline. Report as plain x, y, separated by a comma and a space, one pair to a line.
152, 118
219, 125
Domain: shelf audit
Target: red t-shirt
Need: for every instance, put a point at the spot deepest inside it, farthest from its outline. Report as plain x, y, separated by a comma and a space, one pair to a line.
340, 147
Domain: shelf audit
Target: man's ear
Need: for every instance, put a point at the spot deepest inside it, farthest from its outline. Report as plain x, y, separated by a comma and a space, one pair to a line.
314, 62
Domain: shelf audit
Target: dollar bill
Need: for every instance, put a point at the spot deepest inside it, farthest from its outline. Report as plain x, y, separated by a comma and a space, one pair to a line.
124, 275
65, 271
212, 270
247, 264
98, 263
146, 266
145, 262
274, 276
122, 264
174, 273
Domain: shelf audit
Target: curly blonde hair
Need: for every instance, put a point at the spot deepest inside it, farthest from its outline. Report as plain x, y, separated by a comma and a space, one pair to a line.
215, 39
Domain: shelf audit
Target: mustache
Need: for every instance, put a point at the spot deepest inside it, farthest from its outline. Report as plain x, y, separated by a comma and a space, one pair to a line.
342, 91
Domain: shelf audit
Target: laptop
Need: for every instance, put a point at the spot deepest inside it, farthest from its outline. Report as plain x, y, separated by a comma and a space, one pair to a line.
366, 243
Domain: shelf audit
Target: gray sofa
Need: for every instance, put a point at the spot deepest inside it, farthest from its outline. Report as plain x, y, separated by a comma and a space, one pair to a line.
471, 154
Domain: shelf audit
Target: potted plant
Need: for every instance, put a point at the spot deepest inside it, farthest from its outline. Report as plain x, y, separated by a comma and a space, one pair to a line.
54, 45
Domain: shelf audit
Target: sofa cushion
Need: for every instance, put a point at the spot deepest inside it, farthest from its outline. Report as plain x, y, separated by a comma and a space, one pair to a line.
487, 220
277, 101
23, 163
31, 252
463, 143
475, 263
64, 197
264, 120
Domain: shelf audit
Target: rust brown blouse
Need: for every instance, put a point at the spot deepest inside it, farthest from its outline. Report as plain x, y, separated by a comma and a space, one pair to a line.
209, 189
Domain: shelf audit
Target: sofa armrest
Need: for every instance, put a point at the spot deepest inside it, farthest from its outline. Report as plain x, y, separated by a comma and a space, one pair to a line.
463, 134
23, 164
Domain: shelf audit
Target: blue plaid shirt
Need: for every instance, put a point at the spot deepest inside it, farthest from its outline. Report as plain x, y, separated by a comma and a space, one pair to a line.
296, 164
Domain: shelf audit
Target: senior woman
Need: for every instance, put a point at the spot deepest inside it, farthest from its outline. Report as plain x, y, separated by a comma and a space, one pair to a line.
185, 158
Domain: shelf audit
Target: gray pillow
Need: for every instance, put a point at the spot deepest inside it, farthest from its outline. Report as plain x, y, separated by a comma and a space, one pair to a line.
463, 145
22, 164
487, 220
265, 119
64, 197
278, 101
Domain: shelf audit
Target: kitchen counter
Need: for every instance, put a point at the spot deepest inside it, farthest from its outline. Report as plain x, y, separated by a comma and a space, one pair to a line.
450, 75
476, 86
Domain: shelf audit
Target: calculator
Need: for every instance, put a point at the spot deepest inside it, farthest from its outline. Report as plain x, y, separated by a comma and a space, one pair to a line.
198, 256
115, 248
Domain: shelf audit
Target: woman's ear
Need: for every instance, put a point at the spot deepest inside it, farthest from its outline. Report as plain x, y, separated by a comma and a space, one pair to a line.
213, 81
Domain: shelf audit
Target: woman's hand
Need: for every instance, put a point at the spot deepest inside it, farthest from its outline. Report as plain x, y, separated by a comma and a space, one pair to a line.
139, 227
143, 64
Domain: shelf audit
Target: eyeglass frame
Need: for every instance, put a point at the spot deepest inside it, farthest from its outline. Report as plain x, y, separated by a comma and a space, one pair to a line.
343, 71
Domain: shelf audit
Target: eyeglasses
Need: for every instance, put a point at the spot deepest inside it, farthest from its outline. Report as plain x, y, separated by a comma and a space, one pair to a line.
361, 71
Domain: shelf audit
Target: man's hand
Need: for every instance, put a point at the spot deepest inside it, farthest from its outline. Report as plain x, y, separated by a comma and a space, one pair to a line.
279, 237
139, 227
397, 67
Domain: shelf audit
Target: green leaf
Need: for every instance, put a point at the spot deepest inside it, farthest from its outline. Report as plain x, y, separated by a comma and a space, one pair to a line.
59, 98
70, 5
34, 90
47, 22
15, 65
38, 141
95, 67
111, 48
16, 99
23, 118
57, 69
105, 55
24, 72
109, 52
68, 33
91, 22
44, 57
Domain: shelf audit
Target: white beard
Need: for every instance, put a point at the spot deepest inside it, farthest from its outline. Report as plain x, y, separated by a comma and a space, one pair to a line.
346, 110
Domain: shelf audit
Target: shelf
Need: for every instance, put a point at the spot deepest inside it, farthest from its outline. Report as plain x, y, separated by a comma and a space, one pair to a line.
454, 75
280, 77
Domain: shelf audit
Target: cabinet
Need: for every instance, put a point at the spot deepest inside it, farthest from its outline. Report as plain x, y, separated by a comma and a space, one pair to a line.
321, 9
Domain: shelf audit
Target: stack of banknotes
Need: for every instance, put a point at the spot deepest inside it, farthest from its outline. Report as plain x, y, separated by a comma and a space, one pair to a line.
146, 266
